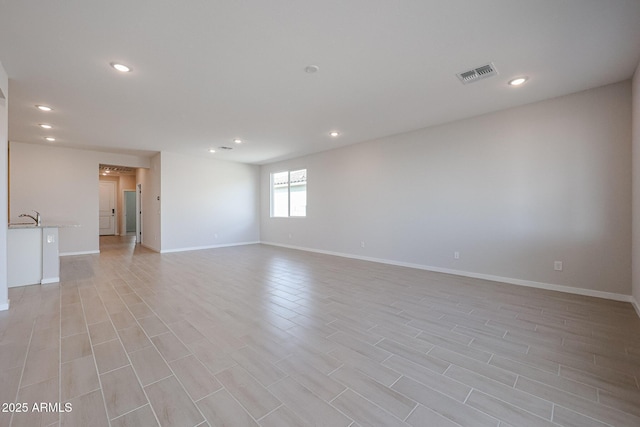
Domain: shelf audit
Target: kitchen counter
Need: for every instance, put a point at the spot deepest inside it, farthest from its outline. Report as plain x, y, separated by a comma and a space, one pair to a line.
13, 225
32, 254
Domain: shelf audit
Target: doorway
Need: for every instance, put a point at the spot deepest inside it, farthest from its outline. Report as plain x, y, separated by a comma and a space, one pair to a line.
120, 213
129, 211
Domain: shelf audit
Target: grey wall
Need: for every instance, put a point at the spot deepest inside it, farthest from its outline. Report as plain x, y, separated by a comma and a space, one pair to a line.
208, 202
512, 191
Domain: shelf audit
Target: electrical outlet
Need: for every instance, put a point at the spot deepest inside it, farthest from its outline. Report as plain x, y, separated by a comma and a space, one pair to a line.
456, 255
557, 265
289, 235
362, 244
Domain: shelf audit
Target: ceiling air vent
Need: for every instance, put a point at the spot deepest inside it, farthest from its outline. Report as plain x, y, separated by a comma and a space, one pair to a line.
477, 73
226, 148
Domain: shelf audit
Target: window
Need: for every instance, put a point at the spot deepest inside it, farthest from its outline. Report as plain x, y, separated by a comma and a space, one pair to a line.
289, 193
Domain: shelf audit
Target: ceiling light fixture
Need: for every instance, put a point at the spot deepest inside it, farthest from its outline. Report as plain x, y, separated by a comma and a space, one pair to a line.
211, 150
237, 141
44, 108
50, 138
120, 67
518, 81
334, 134
310, 69
45, 126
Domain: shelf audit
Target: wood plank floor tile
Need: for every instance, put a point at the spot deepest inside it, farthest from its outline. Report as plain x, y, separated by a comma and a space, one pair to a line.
307, 375
307, 405
87, 409
172, 404
220, 409
262, 335
194, 377
383, 396
142, 416
109, 356
260, 368
101, 332
78, 377
122, 391
149, 365
255, 398
170, 346
283, 417
504, 411
445, 406
75, 346
439, 382
133, 338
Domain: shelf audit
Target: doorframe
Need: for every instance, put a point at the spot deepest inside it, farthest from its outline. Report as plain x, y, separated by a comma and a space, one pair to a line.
138, 213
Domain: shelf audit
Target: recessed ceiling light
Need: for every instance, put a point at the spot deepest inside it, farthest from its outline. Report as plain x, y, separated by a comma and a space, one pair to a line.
334, 134
121, 67
311, 69
211, 150
518, 81
44, 108
45, 126
50, 138
237, 141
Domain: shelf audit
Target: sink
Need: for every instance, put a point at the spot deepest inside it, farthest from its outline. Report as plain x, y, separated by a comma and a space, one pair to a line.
21, 224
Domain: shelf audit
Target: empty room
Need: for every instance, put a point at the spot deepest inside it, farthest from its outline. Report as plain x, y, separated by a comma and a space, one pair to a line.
356, 213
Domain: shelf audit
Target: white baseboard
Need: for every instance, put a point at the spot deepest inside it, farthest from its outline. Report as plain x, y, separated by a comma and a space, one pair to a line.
149, 247
512, 281
198, 248
5, 305
79, 253
50, 280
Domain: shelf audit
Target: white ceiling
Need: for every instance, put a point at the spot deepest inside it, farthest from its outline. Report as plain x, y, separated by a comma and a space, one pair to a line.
206, 72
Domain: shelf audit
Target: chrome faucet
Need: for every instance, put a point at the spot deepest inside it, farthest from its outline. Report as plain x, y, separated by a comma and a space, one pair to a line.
36, 218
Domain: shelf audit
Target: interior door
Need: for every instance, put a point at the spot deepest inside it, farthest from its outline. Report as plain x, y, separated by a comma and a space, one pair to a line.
107, 208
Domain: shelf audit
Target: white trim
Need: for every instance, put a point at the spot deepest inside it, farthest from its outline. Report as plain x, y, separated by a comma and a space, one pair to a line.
634, 303
512, 281
79, 253
198, 248
5, 306
50, 280
149, 247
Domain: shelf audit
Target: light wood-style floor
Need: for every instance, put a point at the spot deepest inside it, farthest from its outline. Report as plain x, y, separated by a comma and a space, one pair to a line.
259, 335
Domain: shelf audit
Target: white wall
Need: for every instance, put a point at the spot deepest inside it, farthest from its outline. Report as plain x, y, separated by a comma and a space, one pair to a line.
62, 184
512, 191
636, 188
4, 132
208, 202
150, 181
